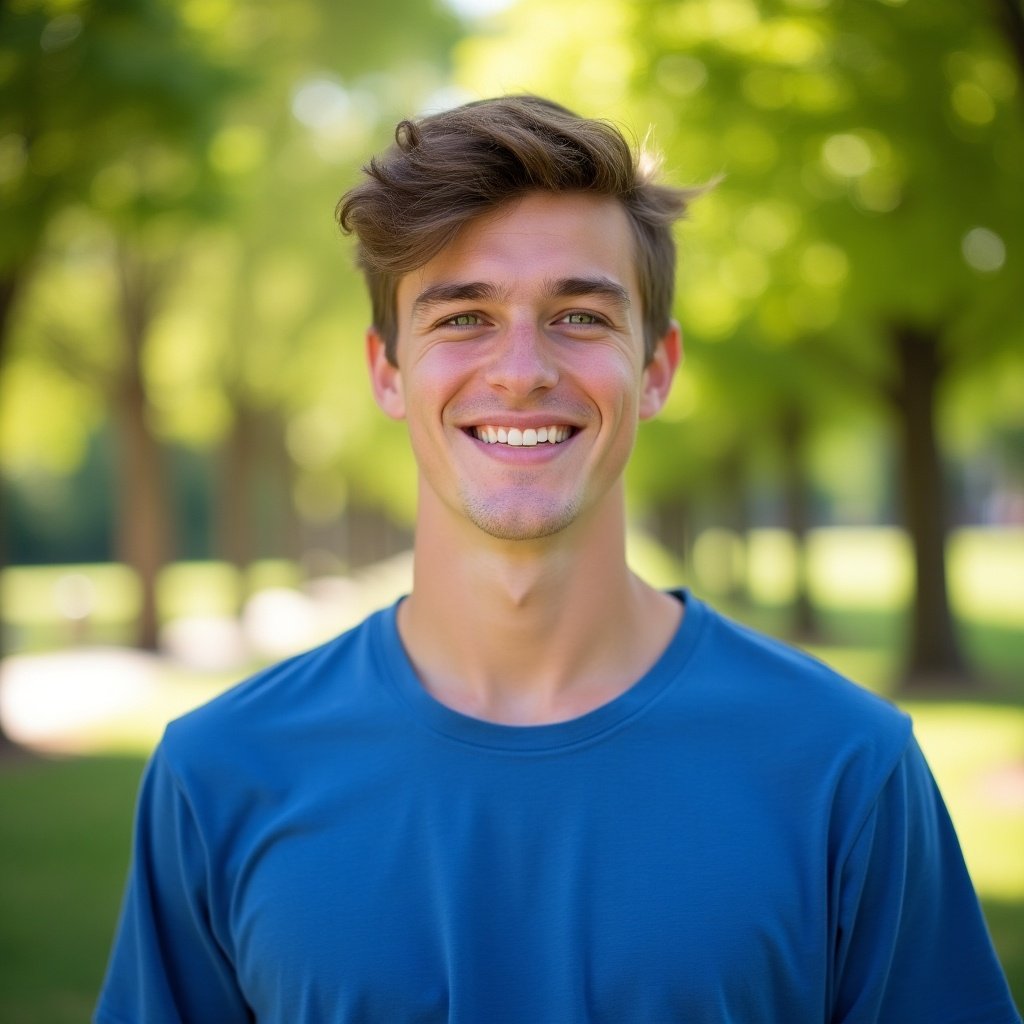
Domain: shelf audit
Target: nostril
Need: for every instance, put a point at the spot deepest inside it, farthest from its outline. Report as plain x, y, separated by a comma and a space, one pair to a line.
522, 373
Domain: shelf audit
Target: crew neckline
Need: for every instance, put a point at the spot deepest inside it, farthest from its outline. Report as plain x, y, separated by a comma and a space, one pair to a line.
398, 671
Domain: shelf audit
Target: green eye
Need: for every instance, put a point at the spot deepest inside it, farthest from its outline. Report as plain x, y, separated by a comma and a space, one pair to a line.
464, 320
583, 319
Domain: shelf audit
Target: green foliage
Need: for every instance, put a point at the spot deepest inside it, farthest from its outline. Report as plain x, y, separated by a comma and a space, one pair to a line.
106, 104
123, 128
862, 143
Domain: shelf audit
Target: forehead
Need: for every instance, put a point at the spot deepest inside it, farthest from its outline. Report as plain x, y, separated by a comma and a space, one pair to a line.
527, 243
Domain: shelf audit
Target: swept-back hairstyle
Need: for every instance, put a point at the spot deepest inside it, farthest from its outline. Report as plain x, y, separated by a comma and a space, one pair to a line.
449, 168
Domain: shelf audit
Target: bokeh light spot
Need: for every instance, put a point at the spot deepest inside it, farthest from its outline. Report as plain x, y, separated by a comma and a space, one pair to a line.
474, 9
60, 32
767, 226
878, 191
340, 121
238, 148
847, 155
792, 42
972, 104
681, 75
984, 250
321, 103
824, 265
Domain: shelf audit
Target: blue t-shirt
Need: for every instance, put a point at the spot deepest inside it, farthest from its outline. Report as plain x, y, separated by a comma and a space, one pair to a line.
742, 836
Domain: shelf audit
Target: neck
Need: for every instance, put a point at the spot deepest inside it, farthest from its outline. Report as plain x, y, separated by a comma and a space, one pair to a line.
530, 631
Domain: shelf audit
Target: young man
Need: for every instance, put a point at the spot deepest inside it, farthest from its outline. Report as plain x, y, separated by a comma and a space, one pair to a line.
537, 790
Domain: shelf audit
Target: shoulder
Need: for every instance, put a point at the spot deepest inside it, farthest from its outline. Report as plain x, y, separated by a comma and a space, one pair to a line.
280, 704
783, 698
770, 671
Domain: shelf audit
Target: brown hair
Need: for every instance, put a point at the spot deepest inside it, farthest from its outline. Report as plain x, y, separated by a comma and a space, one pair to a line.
449, 168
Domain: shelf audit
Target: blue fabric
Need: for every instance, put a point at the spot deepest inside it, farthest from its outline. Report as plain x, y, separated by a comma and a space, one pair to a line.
742, 836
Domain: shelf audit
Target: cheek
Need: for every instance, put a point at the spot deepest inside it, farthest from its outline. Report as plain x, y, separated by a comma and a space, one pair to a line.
448, 382
431, 388
615, 384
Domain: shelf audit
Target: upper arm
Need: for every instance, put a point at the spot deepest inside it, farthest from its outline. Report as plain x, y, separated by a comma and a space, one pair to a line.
167, 963
911, 942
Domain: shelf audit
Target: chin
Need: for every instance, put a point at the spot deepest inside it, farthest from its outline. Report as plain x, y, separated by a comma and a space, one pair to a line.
522, 523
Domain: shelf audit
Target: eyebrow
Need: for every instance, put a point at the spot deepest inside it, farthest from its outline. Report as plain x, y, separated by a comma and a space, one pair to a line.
438, 294
602, 287
475, 291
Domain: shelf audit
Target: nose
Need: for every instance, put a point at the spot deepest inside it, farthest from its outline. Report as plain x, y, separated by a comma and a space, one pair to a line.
522, 361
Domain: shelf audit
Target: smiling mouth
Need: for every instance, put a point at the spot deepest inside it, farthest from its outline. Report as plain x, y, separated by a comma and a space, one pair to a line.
516, 438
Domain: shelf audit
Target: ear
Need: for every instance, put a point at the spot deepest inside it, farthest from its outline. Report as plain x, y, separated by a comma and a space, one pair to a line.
384, 377
660, 371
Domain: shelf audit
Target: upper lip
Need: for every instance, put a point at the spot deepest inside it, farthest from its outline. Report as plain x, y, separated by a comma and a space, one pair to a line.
519, 420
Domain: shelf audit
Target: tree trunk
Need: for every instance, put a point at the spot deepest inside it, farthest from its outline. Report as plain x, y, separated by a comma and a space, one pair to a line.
797, 514
933, 654
734, 515
8, 290
282, 531
10, 282
371, 535
256, 513
144, 519
671, 522
235, 528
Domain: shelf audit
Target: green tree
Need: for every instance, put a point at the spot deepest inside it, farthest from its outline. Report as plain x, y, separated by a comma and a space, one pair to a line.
164, 116
109, 108
899, 142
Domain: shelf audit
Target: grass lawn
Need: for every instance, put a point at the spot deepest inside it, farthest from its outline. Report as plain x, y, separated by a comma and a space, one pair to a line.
64, 836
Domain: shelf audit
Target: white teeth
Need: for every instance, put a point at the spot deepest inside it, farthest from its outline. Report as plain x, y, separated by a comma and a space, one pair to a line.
528, 438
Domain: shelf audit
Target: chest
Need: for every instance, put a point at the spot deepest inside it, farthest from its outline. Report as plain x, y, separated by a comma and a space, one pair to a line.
526, 891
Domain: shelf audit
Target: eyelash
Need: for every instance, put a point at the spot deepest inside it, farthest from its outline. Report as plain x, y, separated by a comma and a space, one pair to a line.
594, 321
450, 321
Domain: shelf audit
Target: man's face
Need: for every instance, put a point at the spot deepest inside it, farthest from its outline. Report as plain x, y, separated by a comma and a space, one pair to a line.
520, 366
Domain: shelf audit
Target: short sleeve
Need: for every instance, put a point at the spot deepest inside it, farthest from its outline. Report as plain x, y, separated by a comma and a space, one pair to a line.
911, 943
167, 965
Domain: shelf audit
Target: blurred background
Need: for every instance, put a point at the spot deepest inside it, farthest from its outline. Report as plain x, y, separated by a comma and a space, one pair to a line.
194, 480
